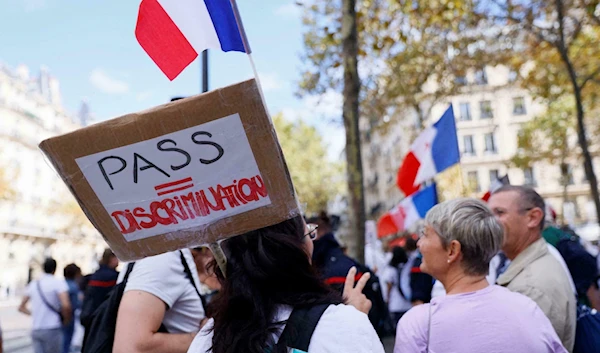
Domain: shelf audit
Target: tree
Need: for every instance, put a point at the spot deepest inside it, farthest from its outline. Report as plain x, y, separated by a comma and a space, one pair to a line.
562, 27
317, 180
350, 114
546, 138
412, 56
410, 59
451, 184
332, 52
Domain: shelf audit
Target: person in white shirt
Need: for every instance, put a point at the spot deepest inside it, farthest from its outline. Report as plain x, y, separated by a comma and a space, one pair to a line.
51, 310
269, 278
398, 303
160, 296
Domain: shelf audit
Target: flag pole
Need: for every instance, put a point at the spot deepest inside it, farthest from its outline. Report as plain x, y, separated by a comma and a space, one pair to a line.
205, 71
240, 24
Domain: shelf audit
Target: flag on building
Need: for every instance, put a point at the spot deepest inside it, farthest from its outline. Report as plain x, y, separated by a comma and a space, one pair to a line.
495, 185
174, 32
407, 212
433, 151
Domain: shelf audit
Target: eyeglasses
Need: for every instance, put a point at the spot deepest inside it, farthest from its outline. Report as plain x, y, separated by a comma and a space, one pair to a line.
312, 231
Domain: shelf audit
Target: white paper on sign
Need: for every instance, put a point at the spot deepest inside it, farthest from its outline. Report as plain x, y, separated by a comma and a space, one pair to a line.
180, 180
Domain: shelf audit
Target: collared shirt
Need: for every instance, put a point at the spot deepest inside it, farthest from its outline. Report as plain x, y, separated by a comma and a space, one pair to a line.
538, 275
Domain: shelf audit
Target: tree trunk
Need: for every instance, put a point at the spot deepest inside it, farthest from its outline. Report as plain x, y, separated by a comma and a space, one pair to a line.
564, 178
588, 164
581, 133
351, 123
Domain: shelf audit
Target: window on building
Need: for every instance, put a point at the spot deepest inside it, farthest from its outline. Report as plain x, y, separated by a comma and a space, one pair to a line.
465, 111
486, 109
494, 175
473, 179
519, 106
469, 149
566, 172
570, 181
528, 177
481, 77
490, 143
461, 80
512, 76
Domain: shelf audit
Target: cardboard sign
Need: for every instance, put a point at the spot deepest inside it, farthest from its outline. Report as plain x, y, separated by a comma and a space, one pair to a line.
184, 174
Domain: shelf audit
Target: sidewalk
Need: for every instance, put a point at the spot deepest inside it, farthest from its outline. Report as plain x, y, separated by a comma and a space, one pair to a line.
16, 328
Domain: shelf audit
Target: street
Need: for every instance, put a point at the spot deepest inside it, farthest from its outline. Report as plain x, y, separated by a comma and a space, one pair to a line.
15, 328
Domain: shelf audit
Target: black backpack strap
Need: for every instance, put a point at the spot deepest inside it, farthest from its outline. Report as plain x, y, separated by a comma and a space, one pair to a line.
300, 327
43, 297
188, 274
129, 269
400, 268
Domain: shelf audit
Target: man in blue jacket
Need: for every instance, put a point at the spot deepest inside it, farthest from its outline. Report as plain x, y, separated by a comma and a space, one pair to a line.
333, 265
100, 283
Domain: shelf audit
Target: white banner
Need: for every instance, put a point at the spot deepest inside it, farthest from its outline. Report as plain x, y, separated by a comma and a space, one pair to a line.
180, 180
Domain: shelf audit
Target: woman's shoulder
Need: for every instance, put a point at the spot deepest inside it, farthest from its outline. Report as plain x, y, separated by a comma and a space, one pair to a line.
345, 329
512, 297
416, 316
411, 334
343, 311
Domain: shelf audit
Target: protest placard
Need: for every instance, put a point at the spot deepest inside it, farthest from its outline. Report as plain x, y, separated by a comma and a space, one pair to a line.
184, 174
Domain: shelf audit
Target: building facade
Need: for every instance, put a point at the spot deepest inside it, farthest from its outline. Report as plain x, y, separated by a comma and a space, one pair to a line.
490, 113
38, 215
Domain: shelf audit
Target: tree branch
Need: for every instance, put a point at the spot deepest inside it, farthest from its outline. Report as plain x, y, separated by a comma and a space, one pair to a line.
530, 27
561, 24
576, 33
591, 77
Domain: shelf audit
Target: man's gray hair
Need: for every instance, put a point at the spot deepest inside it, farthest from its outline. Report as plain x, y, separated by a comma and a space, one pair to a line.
473, 225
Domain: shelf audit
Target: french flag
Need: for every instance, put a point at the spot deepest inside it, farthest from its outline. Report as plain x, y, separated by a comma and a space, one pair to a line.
174, 32
494, 186
433, 151
407, 212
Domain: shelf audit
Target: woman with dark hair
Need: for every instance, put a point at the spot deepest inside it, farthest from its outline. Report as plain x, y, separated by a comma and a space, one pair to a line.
269, 277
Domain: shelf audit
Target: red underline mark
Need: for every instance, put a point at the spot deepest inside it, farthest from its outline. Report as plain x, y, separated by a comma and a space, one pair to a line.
174, 190
173, 183
174, 186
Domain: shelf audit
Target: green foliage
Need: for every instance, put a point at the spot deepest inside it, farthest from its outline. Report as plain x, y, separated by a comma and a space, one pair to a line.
548, 78
316, 179
411, 55
548, 137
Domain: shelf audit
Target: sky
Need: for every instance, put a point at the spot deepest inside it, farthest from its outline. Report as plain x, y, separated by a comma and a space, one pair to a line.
90, 47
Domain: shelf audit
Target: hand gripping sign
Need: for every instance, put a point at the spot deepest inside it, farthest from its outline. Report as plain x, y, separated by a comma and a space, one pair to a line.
188, 173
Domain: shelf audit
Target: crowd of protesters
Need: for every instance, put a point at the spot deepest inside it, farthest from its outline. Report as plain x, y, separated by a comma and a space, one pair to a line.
495, 277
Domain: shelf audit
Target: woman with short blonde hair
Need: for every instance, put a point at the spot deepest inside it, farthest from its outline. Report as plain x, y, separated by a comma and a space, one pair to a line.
458, 241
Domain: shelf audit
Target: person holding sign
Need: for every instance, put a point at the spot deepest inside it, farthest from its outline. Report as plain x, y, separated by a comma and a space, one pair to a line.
271, 299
